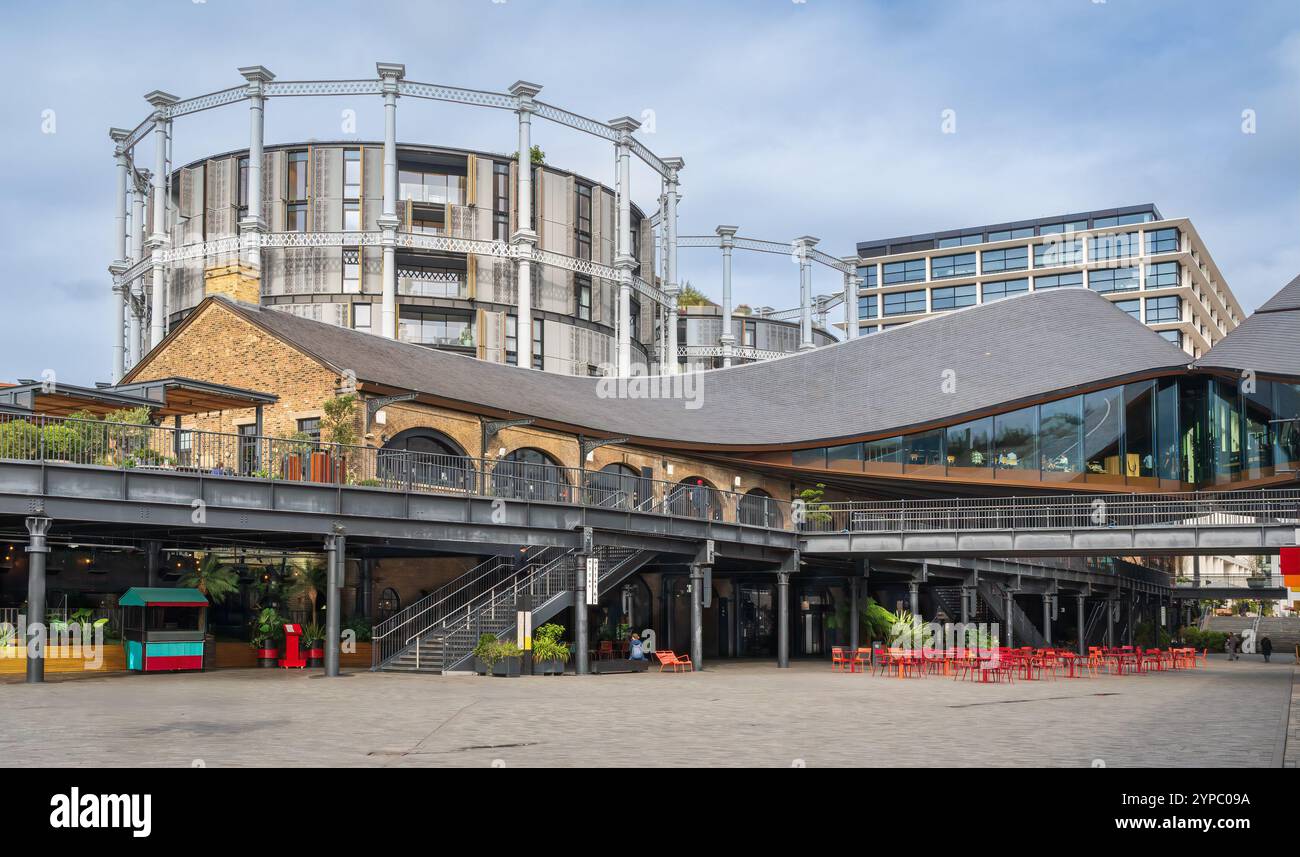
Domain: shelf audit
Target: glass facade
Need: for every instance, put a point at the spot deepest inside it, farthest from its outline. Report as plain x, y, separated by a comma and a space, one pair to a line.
952, 297
911, 271
1000, 289
1010, 259
961, 265
903, 303
1164, 433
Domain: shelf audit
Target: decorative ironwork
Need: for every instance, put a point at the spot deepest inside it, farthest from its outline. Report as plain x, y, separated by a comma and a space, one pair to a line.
284, 88
476, 97
573, 120
206, 102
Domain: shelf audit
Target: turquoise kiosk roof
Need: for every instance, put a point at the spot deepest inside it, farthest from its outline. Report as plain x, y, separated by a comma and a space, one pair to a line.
158, 596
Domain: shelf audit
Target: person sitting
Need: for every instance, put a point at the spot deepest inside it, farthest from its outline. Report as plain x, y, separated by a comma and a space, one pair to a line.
635, 651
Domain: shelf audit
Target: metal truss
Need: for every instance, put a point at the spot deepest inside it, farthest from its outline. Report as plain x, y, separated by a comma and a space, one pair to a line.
741, 352
473, 97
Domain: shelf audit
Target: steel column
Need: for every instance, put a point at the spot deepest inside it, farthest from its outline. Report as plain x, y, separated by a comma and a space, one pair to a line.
671, 288
852, 283
697, 615
914, 598
623, 261
38, 631
805, 245
336, 559
853, 615
525, 237
152, 562
1007, 617
783, 619
158, 234
136, 294
257, 77
728, 339
1047, 619
1083, 643
1111, 604
580, 609
389, 75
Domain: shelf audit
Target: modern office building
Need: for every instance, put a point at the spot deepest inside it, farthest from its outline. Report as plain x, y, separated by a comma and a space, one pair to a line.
1156, 269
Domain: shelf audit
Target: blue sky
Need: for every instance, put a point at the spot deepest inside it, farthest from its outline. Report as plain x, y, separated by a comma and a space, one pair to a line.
819, 118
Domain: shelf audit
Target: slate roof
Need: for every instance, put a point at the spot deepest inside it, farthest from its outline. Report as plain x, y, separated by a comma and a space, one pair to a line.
1268, 342
1004, 352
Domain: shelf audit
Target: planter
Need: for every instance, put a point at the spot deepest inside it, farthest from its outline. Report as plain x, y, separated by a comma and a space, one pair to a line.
268, 655
552, 667
316, 653
507, 667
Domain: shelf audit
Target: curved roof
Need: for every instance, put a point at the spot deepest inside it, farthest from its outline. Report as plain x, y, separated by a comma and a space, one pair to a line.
1268, 342
1024, 347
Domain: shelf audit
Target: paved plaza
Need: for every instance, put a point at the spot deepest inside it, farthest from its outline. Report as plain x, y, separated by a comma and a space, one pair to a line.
739, 713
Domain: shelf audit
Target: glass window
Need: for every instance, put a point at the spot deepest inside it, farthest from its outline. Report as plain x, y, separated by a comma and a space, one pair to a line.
1162, 275
868, 275
1058, 228
883, 456
970, 448
435, 327
925, 453
352, 174
352, 217
582, 295
1167, 428
1054, 253
1113, 280
1140, 432
361, 316
1286, 435
961, 240
1167, 308
809, 457
1000, 289
296, 190
1061, 438
185, 448
1257, 415
310, 427
846, 457
1132, 307
243, 185
582, 221
902, 303
1162, 241
1008, 234
867, 306
1102, 424
1225, 430
961, 265
1008, 259
295, 218
1058, 281
352, 271
1174, 336
912, 271
952, 297
539, 344
1015, 441
1113, 246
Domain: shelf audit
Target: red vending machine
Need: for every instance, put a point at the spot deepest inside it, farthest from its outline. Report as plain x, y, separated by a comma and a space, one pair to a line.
293, 657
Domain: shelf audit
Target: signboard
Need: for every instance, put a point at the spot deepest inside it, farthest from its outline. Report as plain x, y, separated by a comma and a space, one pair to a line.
706, 597
593, 581
1291, 567
1163, 621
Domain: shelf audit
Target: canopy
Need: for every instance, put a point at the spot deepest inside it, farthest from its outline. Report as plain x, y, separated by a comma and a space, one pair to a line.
161, 596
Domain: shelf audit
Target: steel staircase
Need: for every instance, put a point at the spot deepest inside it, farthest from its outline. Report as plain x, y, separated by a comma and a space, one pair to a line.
1025, 633
949, 599
438, 633
1092, 629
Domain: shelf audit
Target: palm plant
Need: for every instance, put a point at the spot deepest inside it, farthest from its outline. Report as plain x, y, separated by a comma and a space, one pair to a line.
309, 581
216, 581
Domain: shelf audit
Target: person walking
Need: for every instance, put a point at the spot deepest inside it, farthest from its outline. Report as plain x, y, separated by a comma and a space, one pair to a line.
1266, 648
1232, 646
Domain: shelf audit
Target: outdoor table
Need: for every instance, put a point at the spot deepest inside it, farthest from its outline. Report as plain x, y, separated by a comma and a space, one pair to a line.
1073, 664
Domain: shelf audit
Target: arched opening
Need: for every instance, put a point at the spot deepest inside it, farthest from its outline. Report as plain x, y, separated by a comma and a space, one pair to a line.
758, 509
530, 474
695, 497
618, 486
426, 458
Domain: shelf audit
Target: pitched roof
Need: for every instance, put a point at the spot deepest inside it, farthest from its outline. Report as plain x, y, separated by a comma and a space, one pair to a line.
1015, 349
1268, 342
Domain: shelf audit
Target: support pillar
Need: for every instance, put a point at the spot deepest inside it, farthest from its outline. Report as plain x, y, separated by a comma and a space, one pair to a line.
253, 223
580, 609
1111, 606
783, 617
727, 340
524, 237
389, 75
38, 632
1047, 618
965, 604
120, 263
136, 293
697, 615
336, 559
854, 630
805, 245
1010, 605
152, 562
158, 239
1082, 633
914, 598
671, 287
1128, 631
624, 262
852, 283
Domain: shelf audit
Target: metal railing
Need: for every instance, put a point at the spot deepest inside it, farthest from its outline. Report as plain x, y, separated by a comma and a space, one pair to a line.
1185, 509
202, 453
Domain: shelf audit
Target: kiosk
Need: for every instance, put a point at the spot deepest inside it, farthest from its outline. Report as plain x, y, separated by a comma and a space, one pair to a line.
163, 629
293, 658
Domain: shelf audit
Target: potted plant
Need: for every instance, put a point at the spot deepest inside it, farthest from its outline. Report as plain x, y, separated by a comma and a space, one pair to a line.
268, 626
338, 427
550, 653
216, 582
484, 653
508, 661
313, 639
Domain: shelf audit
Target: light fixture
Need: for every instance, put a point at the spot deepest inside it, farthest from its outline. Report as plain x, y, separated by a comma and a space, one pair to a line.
736, 482
501, 453
381, 418
670, 470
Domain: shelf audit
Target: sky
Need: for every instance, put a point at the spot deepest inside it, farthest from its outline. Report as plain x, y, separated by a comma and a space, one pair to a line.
814, 118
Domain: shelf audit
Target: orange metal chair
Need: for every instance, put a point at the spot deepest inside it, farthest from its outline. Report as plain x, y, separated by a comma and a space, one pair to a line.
671, 659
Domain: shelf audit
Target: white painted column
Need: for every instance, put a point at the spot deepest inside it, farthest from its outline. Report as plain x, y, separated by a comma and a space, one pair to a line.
806, 243
158, 239
727, 340
524, 238
138, 228
389, 75
119, 265
623, 261
257, 77
671, 288
852, 282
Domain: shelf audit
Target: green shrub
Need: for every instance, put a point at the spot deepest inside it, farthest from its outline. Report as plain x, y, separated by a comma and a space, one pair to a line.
19, 439
547, 645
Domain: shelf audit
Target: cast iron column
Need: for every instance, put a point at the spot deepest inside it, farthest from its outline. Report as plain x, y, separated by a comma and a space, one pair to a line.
697, 615
624, 262
1111, 604
671, 289
853, 615
336, 557
1047, 619
727, 340
580, 666
389, 75
914, 598
37, 629
1083, 643
158, 239
525, 237
805, 244
783, 619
